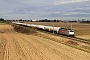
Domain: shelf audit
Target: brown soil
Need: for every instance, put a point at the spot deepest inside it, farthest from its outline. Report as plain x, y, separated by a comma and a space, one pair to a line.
16, 46
71, 43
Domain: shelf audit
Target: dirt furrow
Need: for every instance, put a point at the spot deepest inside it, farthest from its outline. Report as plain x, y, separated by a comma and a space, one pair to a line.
2, 28
46, 48
9, 29
3, 43
59, 49
7, 52
13, 45
48, 51
65, 51
19, 49
34, 53
16, 49
17, 46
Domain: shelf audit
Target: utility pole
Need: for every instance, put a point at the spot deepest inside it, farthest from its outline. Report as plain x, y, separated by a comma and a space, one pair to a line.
53, 27
71, 25
62, 23
68, 24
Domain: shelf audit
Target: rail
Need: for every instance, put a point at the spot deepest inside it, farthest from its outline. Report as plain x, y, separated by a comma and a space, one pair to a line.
69, 37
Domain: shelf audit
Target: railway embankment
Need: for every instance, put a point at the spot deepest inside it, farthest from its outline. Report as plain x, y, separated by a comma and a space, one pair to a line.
66, 41
25, 30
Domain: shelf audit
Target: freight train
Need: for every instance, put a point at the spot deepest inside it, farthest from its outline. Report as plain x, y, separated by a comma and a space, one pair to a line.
58, 30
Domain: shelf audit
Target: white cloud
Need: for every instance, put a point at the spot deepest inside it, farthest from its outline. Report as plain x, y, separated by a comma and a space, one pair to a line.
58, 2
74, 13
83, 8
43, 9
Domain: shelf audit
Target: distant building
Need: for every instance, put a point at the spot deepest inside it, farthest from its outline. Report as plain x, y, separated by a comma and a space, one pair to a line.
34, 20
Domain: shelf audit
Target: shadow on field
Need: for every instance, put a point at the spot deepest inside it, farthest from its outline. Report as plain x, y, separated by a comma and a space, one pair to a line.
26, 30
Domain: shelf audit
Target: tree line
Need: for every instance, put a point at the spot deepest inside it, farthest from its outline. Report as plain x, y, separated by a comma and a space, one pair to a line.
1, 19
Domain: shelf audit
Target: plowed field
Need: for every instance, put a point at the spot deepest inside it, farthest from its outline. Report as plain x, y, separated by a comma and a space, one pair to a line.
16, 46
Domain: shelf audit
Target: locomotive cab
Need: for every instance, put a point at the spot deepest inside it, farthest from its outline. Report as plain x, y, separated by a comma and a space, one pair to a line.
70, 32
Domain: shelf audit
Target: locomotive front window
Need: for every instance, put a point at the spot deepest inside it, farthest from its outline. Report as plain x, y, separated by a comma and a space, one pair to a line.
71, 31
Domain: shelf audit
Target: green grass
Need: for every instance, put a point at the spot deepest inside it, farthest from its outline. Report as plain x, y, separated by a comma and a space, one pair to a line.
2, 21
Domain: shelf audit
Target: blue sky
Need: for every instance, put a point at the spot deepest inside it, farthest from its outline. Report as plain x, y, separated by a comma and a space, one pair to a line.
42, 9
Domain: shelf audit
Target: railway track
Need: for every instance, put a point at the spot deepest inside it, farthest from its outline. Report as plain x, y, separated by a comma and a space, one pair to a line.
69, 37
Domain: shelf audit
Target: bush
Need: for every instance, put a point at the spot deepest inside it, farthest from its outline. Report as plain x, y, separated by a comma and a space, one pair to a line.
26, 30
1, 19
